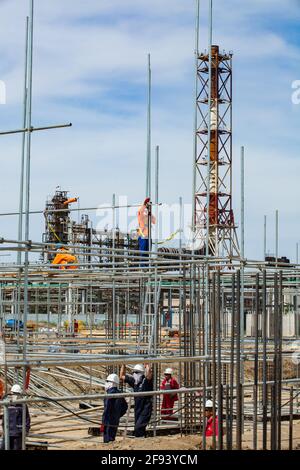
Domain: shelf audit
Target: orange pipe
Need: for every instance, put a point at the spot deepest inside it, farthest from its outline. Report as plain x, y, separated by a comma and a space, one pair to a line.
70, 200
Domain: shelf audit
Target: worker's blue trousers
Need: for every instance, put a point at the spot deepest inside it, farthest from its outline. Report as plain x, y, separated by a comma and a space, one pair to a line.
15, 443
110, 433
141, 421
143, 246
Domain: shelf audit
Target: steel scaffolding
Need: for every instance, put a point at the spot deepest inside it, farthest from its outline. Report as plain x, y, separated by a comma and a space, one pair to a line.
113, 298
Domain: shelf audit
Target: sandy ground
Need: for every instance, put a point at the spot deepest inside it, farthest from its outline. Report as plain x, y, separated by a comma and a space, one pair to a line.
151, 443
75, 437
72, 434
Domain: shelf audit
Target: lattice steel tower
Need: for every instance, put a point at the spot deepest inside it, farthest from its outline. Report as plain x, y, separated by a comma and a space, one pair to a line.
214, 190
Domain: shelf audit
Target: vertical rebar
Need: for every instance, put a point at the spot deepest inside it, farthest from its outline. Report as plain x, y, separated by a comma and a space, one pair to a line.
180, 224
291, 418
148, 165
219, 366
279, 361
242, 326
20, 219
265, 237
113, 260
27, 209
156, 196
274, 422
273, 417
227, 417
214, 336
21, 195
276, 236
238, 365
233, 329
255, 362
242, 202
264, 360
6, 427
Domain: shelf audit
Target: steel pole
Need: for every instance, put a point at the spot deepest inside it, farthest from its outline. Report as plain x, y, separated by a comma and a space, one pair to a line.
291, 418
27, 208
6, 427
264, 364
148, 165
156, 195
276, 236
21, 195
114, 284
20, 222
242, 308
180, 223
242, 202
196, 52
265, 237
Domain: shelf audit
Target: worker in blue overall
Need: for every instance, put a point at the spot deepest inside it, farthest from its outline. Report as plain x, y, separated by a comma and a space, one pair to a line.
15, 419
114, 409
145, 221
141, 380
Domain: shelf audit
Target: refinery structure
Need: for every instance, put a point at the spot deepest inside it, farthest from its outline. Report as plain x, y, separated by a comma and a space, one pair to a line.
228, 326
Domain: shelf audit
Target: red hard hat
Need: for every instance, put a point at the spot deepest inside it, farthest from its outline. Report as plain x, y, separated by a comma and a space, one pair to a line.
147, 200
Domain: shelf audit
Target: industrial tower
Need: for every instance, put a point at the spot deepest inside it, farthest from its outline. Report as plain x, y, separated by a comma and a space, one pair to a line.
61, 228
215, 189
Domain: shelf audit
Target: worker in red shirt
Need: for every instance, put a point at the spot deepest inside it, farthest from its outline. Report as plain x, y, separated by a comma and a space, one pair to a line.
169, 383
211, 424
76, 326
1, 389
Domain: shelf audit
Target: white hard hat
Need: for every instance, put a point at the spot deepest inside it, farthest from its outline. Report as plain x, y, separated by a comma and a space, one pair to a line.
113, 378
169, 371
209, 404
16, 389
139, 368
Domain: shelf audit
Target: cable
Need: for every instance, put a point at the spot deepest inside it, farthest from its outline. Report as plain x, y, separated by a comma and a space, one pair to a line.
51, 228
170, 237
67, 409
292, 399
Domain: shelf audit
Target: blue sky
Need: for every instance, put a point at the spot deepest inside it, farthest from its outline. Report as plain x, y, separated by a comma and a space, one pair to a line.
90, 68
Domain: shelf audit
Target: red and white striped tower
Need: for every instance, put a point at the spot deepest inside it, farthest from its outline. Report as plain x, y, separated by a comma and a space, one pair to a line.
214, 190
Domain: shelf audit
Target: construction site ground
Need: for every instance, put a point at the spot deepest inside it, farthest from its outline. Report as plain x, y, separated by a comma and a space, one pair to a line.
74, 436
65, 433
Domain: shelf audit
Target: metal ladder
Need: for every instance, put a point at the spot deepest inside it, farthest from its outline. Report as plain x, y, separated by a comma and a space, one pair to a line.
149, 316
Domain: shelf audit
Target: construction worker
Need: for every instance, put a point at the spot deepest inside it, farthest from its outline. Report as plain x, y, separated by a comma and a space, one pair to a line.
114, 409
141, 380
1, 389
64, 257
15, 418
211, 424
76, 325
144, 217
54, 348
169, 383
